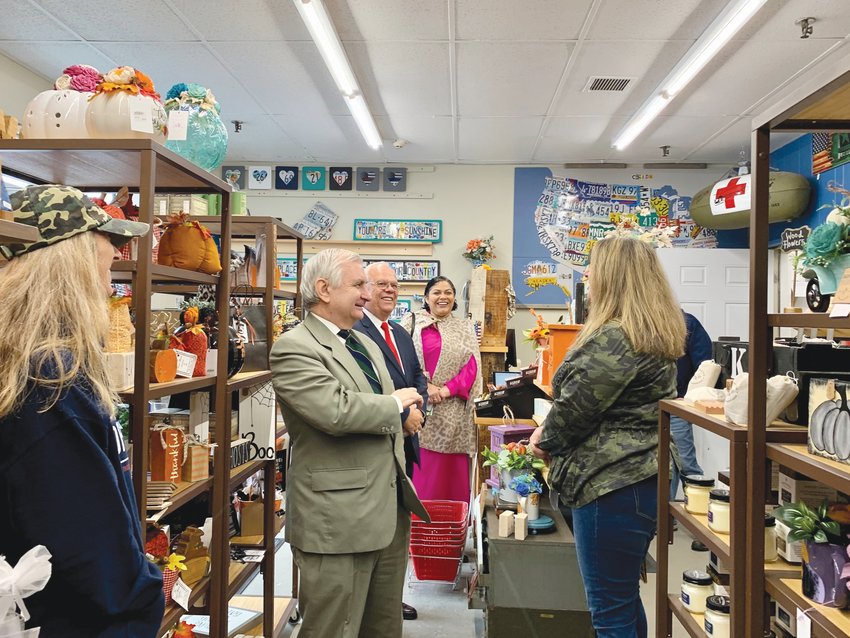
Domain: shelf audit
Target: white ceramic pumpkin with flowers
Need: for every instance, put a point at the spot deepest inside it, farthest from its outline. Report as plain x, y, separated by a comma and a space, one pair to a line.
61, 113
109, 112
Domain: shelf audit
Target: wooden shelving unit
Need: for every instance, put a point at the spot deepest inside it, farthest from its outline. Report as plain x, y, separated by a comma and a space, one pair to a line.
818, 105
13, 231
148, 168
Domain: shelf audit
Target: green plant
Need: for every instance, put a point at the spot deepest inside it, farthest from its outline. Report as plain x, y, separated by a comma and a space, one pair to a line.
526, 484
513, 456
807, 524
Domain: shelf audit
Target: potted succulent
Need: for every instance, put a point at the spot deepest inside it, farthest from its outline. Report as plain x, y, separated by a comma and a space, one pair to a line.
824, 555
513, 459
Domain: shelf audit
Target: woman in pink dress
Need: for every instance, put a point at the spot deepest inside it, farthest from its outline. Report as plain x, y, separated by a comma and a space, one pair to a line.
448, 351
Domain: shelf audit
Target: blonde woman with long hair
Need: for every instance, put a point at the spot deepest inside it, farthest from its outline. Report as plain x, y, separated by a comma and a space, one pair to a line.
602, 432
64, 471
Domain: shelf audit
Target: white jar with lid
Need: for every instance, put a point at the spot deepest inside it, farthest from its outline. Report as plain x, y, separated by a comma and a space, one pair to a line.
716, 620
697, 489
696, 587
770, 550
718, 511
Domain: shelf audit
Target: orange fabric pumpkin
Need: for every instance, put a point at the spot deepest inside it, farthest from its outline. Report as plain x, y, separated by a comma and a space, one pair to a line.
187, 244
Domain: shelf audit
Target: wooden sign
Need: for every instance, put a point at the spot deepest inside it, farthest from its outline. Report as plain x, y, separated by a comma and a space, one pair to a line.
794, 238
398, 230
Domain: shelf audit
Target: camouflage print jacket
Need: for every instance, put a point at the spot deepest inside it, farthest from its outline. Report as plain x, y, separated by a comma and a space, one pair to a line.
602, 431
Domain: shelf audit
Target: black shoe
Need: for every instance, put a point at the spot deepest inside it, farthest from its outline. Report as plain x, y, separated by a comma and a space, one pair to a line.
408, 612
698, 546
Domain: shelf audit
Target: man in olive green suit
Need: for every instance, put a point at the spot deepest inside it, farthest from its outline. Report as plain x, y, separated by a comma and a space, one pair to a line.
348, 498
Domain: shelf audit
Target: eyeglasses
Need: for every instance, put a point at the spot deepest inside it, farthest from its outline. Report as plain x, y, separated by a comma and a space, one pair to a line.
383, 285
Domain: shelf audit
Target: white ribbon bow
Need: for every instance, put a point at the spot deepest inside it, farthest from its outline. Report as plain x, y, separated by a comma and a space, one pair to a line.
29, 576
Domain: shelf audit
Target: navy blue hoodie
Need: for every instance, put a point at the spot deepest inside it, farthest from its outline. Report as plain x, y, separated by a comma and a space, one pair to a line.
65, 484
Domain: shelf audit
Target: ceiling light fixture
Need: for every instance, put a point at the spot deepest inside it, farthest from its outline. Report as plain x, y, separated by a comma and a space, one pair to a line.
599, 164
662, 165
715, 37
321, 29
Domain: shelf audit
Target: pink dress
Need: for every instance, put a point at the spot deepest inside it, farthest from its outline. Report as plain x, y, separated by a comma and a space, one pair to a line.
444, 476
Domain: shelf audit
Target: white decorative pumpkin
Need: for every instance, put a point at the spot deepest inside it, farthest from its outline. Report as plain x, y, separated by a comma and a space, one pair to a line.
57, 115
108, 117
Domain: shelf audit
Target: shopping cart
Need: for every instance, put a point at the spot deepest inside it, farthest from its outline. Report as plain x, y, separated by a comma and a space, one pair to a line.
437, 547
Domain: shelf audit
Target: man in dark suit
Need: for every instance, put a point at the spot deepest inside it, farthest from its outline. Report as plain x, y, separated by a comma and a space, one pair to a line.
400, 357
348, 499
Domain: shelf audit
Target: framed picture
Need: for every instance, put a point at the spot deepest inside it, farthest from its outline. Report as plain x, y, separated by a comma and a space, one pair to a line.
234, 175
398, 230
259, 177
402, 307
411, 270
313, 178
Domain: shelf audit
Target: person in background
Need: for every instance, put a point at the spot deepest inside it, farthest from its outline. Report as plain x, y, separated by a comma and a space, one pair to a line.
602, 431
64, 470
697, 350
448, 352
348, 498
400, 359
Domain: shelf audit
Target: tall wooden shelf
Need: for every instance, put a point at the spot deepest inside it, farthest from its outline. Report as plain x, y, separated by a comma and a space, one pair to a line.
148, 168
818, 105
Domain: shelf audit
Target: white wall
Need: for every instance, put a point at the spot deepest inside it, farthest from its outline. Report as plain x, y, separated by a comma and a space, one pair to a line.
18, 86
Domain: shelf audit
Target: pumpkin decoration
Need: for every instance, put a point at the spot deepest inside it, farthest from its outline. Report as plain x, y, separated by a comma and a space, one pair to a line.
163, 366
61, 113
189, 245
829, 427
108, 114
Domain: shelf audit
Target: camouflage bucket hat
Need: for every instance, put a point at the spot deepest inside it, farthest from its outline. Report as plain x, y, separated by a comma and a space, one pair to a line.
60, 212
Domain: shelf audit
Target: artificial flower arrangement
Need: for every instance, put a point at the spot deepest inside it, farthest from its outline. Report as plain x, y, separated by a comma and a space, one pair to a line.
827, 243
480, 249
206, 138
181, 630
539, 334
192, 93
526, 484
512, 456
126, 78
171, 564
656, 236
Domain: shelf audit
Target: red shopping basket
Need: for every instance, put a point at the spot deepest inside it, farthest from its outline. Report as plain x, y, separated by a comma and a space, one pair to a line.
437, 547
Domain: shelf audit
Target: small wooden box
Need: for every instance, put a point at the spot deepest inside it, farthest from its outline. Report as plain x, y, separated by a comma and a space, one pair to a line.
197, 465
166, 460
561, 339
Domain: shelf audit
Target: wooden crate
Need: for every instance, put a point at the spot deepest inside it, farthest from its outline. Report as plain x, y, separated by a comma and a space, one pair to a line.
488, 304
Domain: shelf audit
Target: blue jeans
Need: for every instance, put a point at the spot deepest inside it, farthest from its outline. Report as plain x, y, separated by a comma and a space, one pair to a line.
612, 537
682, 434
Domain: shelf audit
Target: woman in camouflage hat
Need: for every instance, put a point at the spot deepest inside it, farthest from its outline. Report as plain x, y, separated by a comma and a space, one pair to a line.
64, 471
602, 431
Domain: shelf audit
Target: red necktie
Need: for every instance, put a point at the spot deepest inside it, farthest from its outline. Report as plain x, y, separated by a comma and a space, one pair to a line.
386, 328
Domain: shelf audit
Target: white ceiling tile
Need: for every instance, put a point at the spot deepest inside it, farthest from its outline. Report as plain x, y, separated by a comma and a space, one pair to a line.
429, 139
48, 59
243, 21
508, 78
400, 20
499, 139
262, 139
288, 78
682, 135
328, 138
653, 19
393, 85
127, 20
577, 139
24, 21
512, 20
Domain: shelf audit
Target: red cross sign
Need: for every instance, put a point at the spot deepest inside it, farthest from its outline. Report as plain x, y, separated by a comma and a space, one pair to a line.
730, 196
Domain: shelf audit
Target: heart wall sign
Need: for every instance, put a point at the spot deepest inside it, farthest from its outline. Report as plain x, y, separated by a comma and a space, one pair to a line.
342, 178
286, 178
234, 175
395, 179
259, 177
368, 179
313, 178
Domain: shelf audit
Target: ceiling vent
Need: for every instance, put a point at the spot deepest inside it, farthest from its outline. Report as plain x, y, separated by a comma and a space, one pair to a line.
597, 83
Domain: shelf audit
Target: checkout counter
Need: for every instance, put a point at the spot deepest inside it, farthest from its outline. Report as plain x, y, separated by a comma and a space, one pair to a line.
530, 588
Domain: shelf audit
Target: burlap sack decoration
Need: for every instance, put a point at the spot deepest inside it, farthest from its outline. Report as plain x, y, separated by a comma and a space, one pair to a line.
121, 329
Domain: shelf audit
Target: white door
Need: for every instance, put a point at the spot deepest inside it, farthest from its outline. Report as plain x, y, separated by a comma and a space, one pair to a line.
713, 285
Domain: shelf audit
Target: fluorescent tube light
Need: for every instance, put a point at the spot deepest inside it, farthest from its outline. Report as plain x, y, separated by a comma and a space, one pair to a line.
324, 34
322, 31
601, 164
363, 118
734, 16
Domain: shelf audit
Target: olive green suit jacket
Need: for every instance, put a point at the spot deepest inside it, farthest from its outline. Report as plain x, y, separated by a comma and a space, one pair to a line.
346, 479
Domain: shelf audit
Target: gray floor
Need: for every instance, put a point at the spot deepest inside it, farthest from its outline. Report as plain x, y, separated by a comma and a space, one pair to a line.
443, 611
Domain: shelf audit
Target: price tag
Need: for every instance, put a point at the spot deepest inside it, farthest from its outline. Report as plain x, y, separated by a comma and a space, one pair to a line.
141, 114
181, 593
178, 124
840, 310
804, 625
